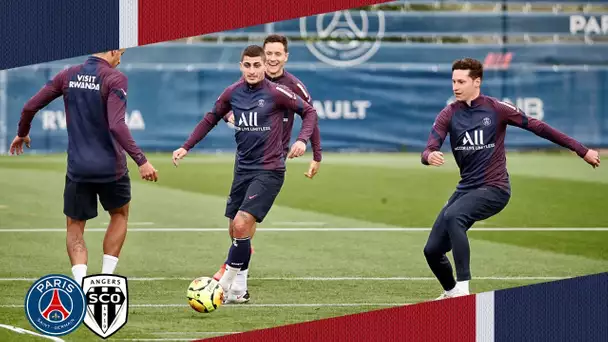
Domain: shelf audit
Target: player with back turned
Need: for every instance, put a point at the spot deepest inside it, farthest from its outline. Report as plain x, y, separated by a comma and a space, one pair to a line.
477, 126
277, 53
259, 173
95, 98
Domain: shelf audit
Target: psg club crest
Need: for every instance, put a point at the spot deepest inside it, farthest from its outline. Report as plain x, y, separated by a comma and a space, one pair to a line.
55, 305
107, 303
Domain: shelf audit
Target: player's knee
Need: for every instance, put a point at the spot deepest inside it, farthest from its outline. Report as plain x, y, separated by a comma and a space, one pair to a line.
242, 225
230, 227
122, 212
240, 229
430, 251
452, 219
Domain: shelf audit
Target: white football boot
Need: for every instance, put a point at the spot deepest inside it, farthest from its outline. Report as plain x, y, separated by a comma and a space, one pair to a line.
453, 293
236, 296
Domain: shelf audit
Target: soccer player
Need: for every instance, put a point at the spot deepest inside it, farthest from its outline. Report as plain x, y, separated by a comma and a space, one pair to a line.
95, 98
277, 53
477, 126
258, 105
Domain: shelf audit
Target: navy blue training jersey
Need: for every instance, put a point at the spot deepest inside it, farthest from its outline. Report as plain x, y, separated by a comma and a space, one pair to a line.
258, 117
477, 137
95, 99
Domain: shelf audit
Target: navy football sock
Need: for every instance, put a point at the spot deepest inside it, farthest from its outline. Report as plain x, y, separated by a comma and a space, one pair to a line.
240, 253
246, 263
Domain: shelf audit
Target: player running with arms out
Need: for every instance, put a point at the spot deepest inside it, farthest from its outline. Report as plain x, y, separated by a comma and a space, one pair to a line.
277, 52
259, 105
477, 126
95, 98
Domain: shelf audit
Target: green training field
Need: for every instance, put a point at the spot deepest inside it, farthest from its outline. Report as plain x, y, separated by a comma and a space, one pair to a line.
307, 264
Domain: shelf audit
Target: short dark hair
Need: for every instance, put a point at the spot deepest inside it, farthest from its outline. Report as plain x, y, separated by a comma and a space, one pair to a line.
253, 51
276, 38
474, 66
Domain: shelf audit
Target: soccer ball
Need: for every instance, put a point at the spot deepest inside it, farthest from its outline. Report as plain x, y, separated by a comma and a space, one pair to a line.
205, 294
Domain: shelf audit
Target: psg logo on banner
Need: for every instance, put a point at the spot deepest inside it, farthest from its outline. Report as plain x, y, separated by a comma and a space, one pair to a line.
107, 303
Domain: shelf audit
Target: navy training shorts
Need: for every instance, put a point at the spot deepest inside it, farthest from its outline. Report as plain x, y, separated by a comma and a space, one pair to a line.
254, 192
80, 198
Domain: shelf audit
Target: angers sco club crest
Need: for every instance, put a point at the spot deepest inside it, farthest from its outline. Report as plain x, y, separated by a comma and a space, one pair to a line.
107, 303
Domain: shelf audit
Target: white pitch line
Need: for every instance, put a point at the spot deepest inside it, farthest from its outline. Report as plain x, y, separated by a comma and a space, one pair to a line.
175, 230
329, 278
137, 223
24, 331
275, 305
298, 223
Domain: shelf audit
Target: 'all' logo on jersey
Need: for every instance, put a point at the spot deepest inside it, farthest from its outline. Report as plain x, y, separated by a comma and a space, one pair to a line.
475, 139
249, 119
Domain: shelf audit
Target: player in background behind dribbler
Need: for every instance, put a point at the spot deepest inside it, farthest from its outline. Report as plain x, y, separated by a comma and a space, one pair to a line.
259, 170
477, 126
277, 53
95, 98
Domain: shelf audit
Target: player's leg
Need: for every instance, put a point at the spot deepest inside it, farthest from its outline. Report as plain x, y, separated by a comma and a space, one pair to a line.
220, 272
115, 197
79, 205
236, 197
240, 249
436, 248
243, 274
222, 269
240, 182
473, 206
259, 199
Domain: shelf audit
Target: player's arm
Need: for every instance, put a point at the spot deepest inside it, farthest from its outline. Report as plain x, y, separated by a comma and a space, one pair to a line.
291, 101
117, 86
431, 154
51, 90
315, 138
315, 142
515, 117
220, 110
117, 105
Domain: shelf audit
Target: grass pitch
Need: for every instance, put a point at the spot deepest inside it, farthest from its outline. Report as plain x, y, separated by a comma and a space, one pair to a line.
301, 270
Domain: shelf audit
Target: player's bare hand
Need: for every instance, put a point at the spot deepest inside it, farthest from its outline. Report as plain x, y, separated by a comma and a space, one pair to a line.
593, 158
297, 149
313, 169
230, 117
148, 172
436, 158
179, 154
17, 144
